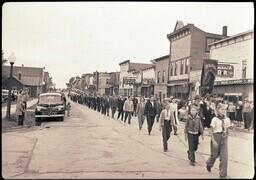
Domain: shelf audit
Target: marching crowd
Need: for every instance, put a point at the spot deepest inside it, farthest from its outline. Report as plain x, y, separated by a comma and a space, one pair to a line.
198, 114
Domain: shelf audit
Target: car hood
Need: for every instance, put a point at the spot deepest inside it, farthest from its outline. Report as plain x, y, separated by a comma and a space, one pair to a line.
49, 105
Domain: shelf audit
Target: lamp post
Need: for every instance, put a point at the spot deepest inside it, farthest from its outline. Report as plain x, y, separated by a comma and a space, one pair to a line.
11, 59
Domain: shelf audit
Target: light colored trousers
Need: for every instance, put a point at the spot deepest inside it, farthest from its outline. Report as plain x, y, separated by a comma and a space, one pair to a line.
220, 151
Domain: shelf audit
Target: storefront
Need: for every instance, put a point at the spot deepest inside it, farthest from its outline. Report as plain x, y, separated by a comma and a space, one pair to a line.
147, 90
178, 90
234, 90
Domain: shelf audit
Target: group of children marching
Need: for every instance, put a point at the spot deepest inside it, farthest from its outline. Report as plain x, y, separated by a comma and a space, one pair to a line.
193, 129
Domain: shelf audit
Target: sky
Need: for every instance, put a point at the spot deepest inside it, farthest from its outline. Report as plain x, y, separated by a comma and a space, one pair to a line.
74, 38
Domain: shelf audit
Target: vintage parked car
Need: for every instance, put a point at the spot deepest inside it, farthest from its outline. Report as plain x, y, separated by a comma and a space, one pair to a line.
50, 105
4, 95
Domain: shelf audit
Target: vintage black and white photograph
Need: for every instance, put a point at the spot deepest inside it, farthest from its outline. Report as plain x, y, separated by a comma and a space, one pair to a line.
127, 90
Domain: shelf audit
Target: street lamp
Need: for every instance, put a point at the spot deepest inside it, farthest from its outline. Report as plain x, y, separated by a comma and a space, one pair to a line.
11, 59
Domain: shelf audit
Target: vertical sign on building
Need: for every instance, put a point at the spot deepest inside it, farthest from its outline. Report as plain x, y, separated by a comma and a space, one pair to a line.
209, 72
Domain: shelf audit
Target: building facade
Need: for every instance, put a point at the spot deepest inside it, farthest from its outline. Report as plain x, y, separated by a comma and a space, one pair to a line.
188, 49
161, 76
148, 81
234, 80
127, 77
32, 78
104, 83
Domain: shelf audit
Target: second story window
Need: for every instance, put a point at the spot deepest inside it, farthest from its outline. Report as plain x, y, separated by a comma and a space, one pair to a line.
163, 77
181, 66
244, 69
175, 69
171, 69
186, 65
158, 77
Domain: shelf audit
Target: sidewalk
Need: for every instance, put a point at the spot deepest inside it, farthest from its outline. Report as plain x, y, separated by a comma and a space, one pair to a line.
13, 107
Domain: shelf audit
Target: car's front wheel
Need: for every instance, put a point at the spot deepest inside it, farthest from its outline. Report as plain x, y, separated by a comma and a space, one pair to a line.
38, 121
61, 118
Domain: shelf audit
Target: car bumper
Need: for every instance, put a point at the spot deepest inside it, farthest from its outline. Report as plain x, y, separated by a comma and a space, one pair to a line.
53, 115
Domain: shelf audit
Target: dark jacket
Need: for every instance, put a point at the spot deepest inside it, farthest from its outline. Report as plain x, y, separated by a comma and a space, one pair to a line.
193, 125
149, 110
120, 104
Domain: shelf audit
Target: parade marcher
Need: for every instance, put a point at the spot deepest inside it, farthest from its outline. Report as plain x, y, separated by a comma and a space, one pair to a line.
183, 113
98, 104
247, 115
68, 108
174, 109
120, 105
64, 101
135, 103
128, 109
219, 141
107, 105
20, 112
150, 113
193, 128
239, 113
103, 104
113, 105
140, 112
158, 109
231, 111
166, 117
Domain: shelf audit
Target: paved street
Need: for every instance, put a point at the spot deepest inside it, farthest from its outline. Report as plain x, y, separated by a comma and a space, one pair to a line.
90, 145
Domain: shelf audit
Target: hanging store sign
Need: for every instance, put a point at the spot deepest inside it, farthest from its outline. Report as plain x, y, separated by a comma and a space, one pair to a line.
129, 80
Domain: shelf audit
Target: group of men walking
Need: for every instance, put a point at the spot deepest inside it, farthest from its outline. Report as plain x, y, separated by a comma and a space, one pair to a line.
126, 107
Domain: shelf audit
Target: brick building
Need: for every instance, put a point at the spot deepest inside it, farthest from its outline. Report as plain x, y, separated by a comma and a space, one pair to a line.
161, 75
148, 81
188, 49
127, 77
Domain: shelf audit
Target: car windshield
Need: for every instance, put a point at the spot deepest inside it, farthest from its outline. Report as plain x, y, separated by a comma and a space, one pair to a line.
50, 99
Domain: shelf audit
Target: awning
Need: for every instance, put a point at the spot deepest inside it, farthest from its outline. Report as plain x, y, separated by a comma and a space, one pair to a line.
146, 85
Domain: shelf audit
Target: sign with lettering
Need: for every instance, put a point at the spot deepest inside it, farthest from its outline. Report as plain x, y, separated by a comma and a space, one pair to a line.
236, 81
225, 70
128, 80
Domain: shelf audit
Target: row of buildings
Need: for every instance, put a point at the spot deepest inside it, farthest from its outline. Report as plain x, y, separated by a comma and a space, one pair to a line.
179, 73
35, 79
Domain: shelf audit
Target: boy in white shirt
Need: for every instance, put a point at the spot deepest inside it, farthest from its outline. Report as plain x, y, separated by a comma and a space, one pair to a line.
219, 140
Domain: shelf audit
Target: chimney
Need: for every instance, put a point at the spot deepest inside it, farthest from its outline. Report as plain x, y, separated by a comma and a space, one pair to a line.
224, 30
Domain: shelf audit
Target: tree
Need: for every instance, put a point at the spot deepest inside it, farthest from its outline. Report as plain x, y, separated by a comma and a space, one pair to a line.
3, 59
